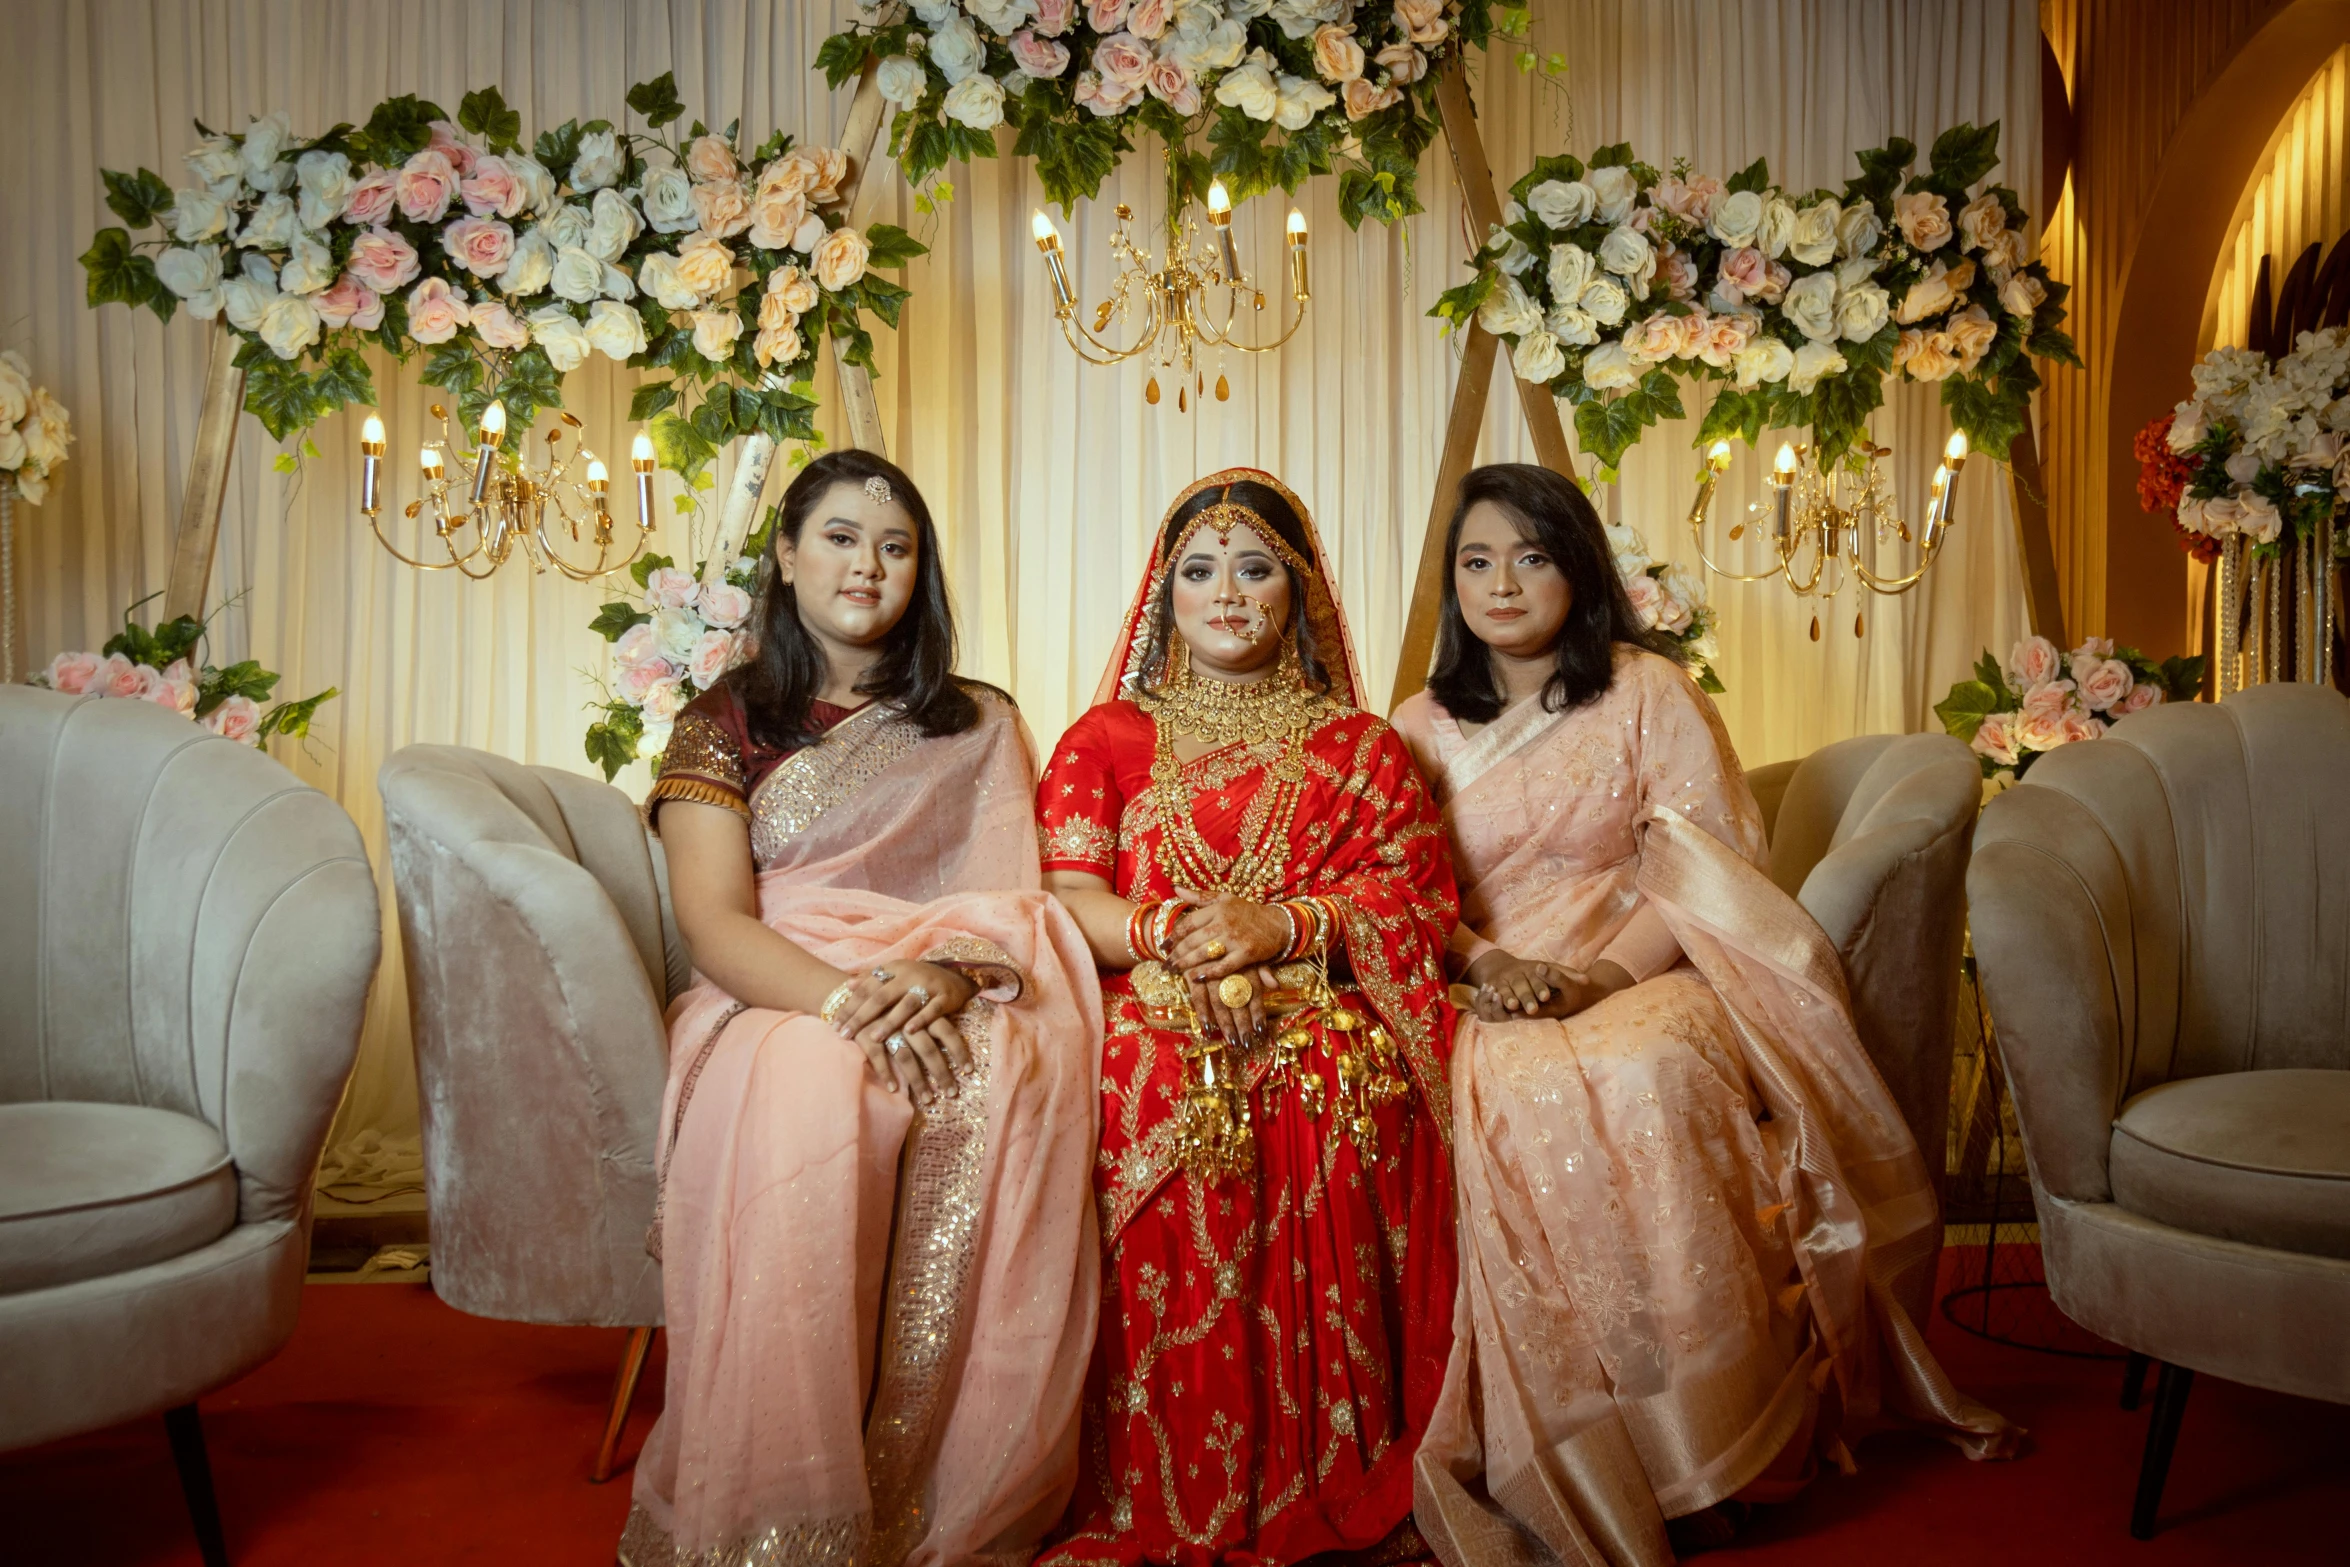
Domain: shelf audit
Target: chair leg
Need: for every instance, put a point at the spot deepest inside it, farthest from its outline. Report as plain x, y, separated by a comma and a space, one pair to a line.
632, 1366
187, 1454
2133, 1379
2162, 1435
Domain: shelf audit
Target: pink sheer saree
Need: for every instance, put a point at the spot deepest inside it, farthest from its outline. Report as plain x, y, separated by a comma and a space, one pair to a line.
1682, 1209
879, 1316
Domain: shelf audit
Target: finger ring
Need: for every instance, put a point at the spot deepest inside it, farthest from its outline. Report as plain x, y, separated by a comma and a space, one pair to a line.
921, 995
1235, 990
882, 974
894, 1044
1216, 949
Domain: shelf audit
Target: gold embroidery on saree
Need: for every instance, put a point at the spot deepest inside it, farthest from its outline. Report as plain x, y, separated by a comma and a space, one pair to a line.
808, 783
833, 1542
685, 1096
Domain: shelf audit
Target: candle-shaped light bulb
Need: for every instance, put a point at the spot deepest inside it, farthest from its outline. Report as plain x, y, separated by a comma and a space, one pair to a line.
1955, 452
485, 454
640, 460
1783, 465
640, 452
1047, 236
1717, 459
430, 460
598, 476
371, 461
1782, 492
493, 424
1220, 219
1048, 241
1717, 456
1219, 202
1297, 257
1297, 227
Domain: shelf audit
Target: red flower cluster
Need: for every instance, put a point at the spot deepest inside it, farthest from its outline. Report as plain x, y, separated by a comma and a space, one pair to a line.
2163, 476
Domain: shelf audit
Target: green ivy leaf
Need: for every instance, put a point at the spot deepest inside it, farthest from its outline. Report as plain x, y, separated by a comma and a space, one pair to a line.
1615, 155
1881, 172
657, 99
649, 399
2182, 678
1970, 702
116, 273
281, 396
1756, 176
892, 246
245, 678
453, 367
682, 448
138, 199
484, 113
613, 621
642, 571
343, 379
399, 128
1962, 155
556, 149
612, 740
842, 56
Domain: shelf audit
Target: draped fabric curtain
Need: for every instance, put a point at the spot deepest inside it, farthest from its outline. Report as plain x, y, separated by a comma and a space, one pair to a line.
1046, 475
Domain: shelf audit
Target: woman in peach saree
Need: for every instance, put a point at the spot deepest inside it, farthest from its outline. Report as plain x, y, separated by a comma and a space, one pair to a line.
876, 1224
1687, 1200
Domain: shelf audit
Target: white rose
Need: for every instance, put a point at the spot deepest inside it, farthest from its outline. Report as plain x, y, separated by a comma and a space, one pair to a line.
1571, 325
558, 331
325, 179
188, 271
957, 49
265, 138
1811, 305
598, 162
715, 332
2189, 425
658, 276
1608, 368
531, 267
675, 634
289, 325
1537, 358
12, 452
1301, 100
1738, 219
1761, 361
1570, 272
1777, 228
1604, 300
1250, 88
538, 186
1627, 253
578, 276
1515, 257
1858, 230
1508, 312
1813, 361
668, 200
309, 267
272, 226
1862, 311
977, 101
901, 81
1613, 192
612, 223
614, 330
2022, 294
197, 214
1562, 204
245, 299
1002, 17
215, 161
1814, 241
1202, 44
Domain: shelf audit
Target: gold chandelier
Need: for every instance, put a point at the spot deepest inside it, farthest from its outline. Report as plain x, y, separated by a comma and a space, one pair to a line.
1178, 300
1818, 519
502, 502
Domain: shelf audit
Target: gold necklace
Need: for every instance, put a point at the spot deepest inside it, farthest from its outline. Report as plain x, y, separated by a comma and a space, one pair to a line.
1222, 713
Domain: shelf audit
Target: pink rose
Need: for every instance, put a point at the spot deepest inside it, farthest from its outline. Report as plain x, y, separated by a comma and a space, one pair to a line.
426, 184
499, 327
2142, 696
711, 158
1107, 16
2040, 731
482, 246
1038, 57
2103, 681
713, 656
1724, 338
175, 688
635, 679
1422, 21
1104, 95
725, 606
1054, 16
1172, 85
1363, 98
1653, 340
1745, 270
449, 142
370, 201
2081, 726
436, 312
383, 261
2101, 646
1124, 59
1677, 271
1776, 278
1996, 739
1149, 18
147, 682
351, 303
235, 719
491, 190
73, 673
1403, 63
2048, 700
663, 701
666, 587
1924, 220
1692, 201
1648, 600
637, 645
118, 676
2034, 661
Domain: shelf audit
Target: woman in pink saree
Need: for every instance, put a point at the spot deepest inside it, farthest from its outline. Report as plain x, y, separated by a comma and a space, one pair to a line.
876, 1224
1686, 1196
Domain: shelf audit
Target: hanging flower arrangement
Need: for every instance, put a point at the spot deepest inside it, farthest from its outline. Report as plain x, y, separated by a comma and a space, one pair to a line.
35, 429
1670, 600
164, 664
2258, 452
507, 266
2013, 714
1612, 282
1282, 89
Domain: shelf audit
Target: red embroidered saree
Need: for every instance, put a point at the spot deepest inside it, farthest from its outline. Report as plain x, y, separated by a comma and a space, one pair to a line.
1272, 1342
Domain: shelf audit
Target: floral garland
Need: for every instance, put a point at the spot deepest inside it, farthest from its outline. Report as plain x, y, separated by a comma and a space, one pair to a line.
671, 644
1671, 601
1611, 280
1342, 84
161, 664
35, 429
2012, 714
508, 267
2258, 452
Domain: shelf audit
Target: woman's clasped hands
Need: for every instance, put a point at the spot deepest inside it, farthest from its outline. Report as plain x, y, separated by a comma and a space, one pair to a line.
1219, 937
901, 1014
1505, 988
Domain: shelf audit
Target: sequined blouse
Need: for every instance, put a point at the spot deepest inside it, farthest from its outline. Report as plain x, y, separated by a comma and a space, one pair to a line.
711, 758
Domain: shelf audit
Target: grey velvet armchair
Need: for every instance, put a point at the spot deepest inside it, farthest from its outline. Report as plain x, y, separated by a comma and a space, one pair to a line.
2163, 938
187, 934
1871, 836
540, 952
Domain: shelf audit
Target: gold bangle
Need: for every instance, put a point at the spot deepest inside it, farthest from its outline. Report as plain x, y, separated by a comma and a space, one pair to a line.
838, 999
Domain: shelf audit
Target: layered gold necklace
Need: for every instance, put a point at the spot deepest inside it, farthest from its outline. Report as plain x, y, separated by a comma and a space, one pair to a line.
1225, 713
1279, 707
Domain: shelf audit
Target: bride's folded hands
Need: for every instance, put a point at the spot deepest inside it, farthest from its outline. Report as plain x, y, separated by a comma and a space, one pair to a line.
1505, 987
1220, 937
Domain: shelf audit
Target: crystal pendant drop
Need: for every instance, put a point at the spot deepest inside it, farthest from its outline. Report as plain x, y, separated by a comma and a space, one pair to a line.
1150, 390
1856, 626
1737, 533
1815, 628
1183, 399
1223, 388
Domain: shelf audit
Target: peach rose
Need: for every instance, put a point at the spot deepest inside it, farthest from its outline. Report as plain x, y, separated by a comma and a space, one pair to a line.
1925, 356
1403, 63
73, 673
776, 215
724, 207
436, 312
350, 303
237, 718
1923, 218
776, 345
2142, 696
1149, 18
793, 174
795, 288
1654, 340
1972, 332
715, 332
2082, 726
1336, 54
1746, 270
482, 246
426, 185
1054, 16
491, 190
1930, 295
725, 606
775, 311
827, 167
499, 327
1981, 220
1107, 16
118, 676
1422, 21
710, 159
1677, 272
1724, 339
2034, 661
839, 259
713, 656
1171, 83
1995, 739
372, 199
1692, 201
704, 265
383, 261
1363, 98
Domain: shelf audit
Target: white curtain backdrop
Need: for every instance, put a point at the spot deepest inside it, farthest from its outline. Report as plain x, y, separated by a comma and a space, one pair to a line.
1046, 475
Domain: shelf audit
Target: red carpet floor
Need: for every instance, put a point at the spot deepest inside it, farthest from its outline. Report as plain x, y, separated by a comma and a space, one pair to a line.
395, 1430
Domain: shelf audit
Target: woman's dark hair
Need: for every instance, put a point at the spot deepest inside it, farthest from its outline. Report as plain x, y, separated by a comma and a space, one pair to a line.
1553, 514
1279, 515
916, 670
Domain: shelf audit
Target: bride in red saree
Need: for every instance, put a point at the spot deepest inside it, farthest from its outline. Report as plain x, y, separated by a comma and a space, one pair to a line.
1261, 876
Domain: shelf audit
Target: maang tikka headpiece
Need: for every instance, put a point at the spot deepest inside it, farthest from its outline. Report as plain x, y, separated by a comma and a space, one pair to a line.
877, 489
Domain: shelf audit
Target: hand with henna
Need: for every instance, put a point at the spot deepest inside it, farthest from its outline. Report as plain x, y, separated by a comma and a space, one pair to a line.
1221, 936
